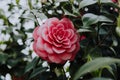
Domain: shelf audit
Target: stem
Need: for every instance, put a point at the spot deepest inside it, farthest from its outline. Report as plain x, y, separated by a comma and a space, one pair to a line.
98, 29
35, 18
118, 21
105, 37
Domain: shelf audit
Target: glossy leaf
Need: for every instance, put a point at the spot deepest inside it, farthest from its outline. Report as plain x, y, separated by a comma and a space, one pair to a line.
89, 19
32, 64
101, 79
94, 65
85, 3
37, 71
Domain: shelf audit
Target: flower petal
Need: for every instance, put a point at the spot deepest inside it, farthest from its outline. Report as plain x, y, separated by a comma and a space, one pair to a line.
74, 39
35, 35
48, 48
40, 43
73, 47
54, 58
45, 35
67, 23
65, 56
58, 50
41, 53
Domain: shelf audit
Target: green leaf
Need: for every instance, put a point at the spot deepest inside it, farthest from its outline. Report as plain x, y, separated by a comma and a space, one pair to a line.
83, 30
89, 19
17, 2
32, 64
3, 58
30, 4
95, 65
37, 71
104, 19
68, 13
57, 1
85, 3
106, 1
101, 79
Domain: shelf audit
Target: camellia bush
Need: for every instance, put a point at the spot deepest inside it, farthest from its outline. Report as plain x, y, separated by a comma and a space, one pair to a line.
60, 40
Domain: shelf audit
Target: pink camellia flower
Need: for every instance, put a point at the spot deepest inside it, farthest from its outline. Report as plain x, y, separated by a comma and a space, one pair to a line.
56, 40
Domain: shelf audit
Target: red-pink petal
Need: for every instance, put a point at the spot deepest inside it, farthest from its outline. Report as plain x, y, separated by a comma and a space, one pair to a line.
58, 50
69, 33
65, 56
40, 44
53, 21
67, 23
41, 53
48, 48
35, 35
66, 42
54, 58
56, 44
45, 35
74, 39
73, 47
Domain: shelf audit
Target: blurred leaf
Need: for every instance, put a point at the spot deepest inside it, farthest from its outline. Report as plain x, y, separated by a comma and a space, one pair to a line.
89, 19
102, 31
12, 62
68, 13
57, 1
106, 1
94, 65
3, 58
30, 4
101, 79
109, 68
83, 30
85, 3
17, 2
32, 64
104, 19
37, 71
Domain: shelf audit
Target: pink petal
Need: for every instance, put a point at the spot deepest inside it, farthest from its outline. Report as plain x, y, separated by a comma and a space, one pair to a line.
56, 44
41, 53
39, 31
69, 33
67, 23
60, 26
73, 47
51, 27
53, 21
40, 44
45, 35
66, 42
76, 51
65, 56
74, 39
54, 58
48, 48
58, 50
35, 36
38, 51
